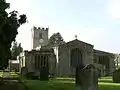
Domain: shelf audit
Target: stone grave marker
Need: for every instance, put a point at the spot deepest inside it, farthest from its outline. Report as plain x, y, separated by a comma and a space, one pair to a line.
24, 71
90, 78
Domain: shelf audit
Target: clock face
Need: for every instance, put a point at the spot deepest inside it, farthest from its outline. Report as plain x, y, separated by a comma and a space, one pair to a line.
41, 40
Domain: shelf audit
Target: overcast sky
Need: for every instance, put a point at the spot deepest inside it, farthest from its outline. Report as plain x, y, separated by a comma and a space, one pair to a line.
94, 21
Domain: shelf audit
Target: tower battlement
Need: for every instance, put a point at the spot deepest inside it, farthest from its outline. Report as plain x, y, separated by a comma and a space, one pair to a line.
40, 28
38, 34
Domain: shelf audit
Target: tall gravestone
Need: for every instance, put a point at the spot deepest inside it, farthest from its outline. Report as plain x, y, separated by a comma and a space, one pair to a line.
90, 78
44, 73
78, 74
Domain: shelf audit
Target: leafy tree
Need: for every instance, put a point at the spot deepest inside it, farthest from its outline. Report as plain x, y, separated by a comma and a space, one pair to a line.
16, 50
56, 39
9, 23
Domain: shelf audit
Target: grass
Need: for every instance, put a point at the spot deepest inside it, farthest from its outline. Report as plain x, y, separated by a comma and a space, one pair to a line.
105, 83
13, 74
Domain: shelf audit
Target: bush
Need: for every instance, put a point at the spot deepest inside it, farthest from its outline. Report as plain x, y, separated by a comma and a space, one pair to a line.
116, 76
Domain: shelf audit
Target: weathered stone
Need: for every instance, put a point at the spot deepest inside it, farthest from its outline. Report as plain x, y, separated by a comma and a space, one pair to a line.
79, 73
24, 71
44, 73
90, 78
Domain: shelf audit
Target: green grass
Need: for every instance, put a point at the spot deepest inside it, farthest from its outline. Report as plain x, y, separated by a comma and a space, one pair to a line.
105, 83
13, 74
51, 85
1, 73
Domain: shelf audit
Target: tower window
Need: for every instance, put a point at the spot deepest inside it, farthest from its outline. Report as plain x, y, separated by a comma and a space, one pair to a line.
40, 35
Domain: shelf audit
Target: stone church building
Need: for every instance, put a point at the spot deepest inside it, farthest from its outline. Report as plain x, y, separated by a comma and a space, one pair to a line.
78, 52
63, 59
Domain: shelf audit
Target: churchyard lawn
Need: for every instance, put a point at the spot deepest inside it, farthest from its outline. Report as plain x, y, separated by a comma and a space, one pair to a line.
13, 74
105, 83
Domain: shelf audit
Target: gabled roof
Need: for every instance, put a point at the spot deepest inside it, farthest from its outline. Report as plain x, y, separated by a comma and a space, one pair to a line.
76, 40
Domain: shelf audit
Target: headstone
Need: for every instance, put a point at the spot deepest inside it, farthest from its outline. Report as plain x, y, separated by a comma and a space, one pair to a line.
44, 74
24, 71
90, 79
79, 76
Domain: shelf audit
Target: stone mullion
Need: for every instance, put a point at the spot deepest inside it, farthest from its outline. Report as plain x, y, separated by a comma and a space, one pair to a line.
44, 61
37, 60
47, 61
41, 60
34, 56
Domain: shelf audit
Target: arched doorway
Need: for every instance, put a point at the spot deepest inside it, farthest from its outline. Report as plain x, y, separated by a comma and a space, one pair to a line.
76, 57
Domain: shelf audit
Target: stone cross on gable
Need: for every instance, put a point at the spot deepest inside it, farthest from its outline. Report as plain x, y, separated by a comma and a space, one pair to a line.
75, 36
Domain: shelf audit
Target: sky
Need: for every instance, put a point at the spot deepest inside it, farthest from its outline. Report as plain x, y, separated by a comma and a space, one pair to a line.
93, 21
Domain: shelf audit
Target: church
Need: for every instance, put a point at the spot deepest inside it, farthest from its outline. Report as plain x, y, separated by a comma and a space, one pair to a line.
63, 59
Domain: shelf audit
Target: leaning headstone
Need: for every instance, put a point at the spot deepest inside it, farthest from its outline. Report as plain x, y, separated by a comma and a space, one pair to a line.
91, 75
116, 76
24, 71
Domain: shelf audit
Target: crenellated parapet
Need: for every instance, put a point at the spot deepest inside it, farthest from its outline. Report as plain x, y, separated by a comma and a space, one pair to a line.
40, 28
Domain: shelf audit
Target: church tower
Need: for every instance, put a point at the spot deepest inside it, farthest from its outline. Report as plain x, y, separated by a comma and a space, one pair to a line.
39, 37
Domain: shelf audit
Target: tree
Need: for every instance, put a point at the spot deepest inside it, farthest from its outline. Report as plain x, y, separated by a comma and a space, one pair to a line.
9, 24
56, 39
16, 50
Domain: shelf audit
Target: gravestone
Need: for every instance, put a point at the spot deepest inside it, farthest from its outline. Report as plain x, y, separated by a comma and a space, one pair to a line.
44, 73
90, 78
78, 74
24, 71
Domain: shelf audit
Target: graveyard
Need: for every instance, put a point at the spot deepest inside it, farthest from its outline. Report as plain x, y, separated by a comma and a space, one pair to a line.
59, 83
105, 83
52, 63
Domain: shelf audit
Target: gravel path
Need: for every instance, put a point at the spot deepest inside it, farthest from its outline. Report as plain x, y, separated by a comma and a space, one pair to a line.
11, 84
